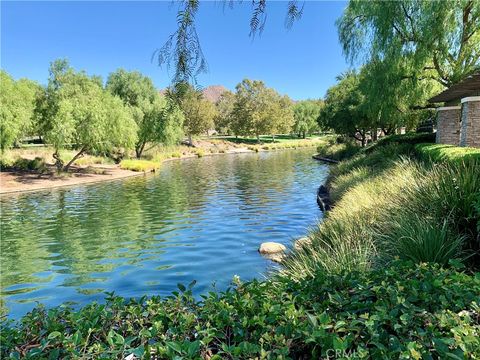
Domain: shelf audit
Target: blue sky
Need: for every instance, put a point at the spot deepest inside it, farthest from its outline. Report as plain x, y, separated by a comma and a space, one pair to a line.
100, 37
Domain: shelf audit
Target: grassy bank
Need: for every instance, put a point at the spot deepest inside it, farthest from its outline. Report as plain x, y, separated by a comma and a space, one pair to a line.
389, 274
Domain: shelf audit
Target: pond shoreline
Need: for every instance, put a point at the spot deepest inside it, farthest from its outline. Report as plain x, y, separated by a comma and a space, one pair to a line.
12, 182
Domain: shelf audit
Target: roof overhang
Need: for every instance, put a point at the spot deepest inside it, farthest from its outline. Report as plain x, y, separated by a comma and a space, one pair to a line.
469, 86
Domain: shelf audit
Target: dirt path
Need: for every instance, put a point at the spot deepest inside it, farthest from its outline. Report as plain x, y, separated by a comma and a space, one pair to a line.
11, 182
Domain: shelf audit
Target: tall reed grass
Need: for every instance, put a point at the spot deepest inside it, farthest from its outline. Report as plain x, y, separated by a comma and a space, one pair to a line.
390, 205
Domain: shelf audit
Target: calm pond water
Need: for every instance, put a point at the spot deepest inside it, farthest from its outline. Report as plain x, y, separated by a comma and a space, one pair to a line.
199, 219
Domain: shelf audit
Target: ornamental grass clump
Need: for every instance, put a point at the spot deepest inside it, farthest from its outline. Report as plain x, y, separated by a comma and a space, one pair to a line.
388, 205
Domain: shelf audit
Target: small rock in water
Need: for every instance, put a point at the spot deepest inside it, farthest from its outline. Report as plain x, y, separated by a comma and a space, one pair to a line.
271, 248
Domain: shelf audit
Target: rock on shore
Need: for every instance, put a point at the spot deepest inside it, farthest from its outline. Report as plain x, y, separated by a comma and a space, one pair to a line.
271, 248
273, 251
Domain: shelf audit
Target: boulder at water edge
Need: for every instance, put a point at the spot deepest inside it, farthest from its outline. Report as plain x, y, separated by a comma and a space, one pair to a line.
302, 243
271, 248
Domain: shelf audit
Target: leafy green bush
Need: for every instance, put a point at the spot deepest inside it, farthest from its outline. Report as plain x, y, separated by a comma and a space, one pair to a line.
403, 311
443, 152
409, 138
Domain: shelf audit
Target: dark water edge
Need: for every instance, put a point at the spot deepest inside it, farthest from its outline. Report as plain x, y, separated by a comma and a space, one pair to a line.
199, 219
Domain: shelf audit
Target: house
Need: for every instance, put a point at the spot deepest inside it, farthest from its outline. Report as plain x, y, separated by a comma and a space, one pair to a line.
458, 121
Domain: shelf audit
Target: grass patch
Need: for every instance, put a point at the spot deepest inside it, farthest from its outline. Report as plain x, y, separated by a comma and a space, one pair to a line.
93, 160
336, 151
139, 165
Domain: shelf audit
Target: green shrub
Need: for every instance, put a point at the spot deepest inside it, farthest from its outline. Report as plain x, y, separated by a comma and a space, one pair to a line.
443, 152
139, 165
409, 138
199, 152
402, 311
38, 165
6, 161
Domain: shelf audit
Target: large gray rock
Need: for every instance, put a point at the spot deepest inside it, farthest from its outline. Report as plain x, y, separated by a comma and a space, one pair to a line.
271, 248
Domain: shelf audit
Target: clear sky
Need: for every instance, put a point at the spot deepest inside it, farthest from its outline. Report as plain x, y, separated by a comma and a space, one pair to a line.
99, 37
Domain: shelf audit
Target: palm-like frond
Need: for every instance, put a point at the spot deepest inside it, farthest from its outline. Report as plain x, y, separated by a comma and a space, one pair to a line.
182, 50
294, 13
259, 17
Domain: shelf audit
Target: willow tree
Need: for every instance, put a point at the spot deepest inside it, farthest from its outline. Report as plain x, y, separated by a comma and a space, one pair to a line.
344, 110
17, 105
412, 44
158, 119
76, 112
306, 114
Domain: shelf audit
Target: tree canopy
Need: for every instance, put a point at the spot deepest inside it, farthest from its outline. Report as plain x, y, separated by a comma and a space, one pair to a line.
223, 118
17, 105
76, 111
344, 110
260, 110
416, 47
198, 111
158, 119
306, 114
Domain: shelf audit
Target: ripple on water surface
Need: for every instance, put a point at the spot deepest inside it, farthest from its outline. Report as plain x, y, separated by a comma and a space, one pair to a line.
199, 219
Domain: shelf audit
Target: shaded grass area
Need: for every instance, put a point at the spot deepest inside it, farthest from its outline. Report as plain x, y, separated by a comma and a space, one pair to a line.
389, 274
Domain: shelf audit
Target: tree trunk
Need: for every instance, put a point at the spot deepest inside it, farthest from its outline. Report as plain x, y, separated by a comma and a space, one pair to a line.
304, 135
374, 134
58, 161
190, 139
139, 150
273, 137
258, 138
78, 155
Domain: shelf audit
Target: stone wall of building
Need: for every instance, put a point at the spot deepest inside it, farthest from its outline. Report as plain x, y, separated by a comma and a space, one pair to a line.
448, 125
470, 125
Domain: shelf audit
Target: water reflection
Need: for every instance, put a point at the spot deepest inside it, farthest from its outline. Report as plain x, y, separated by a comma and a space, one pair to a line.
197, 219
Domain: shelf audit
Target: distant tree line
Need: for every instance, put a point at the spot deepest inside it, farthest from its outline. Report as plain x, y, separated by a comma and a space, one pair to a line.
77, 111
